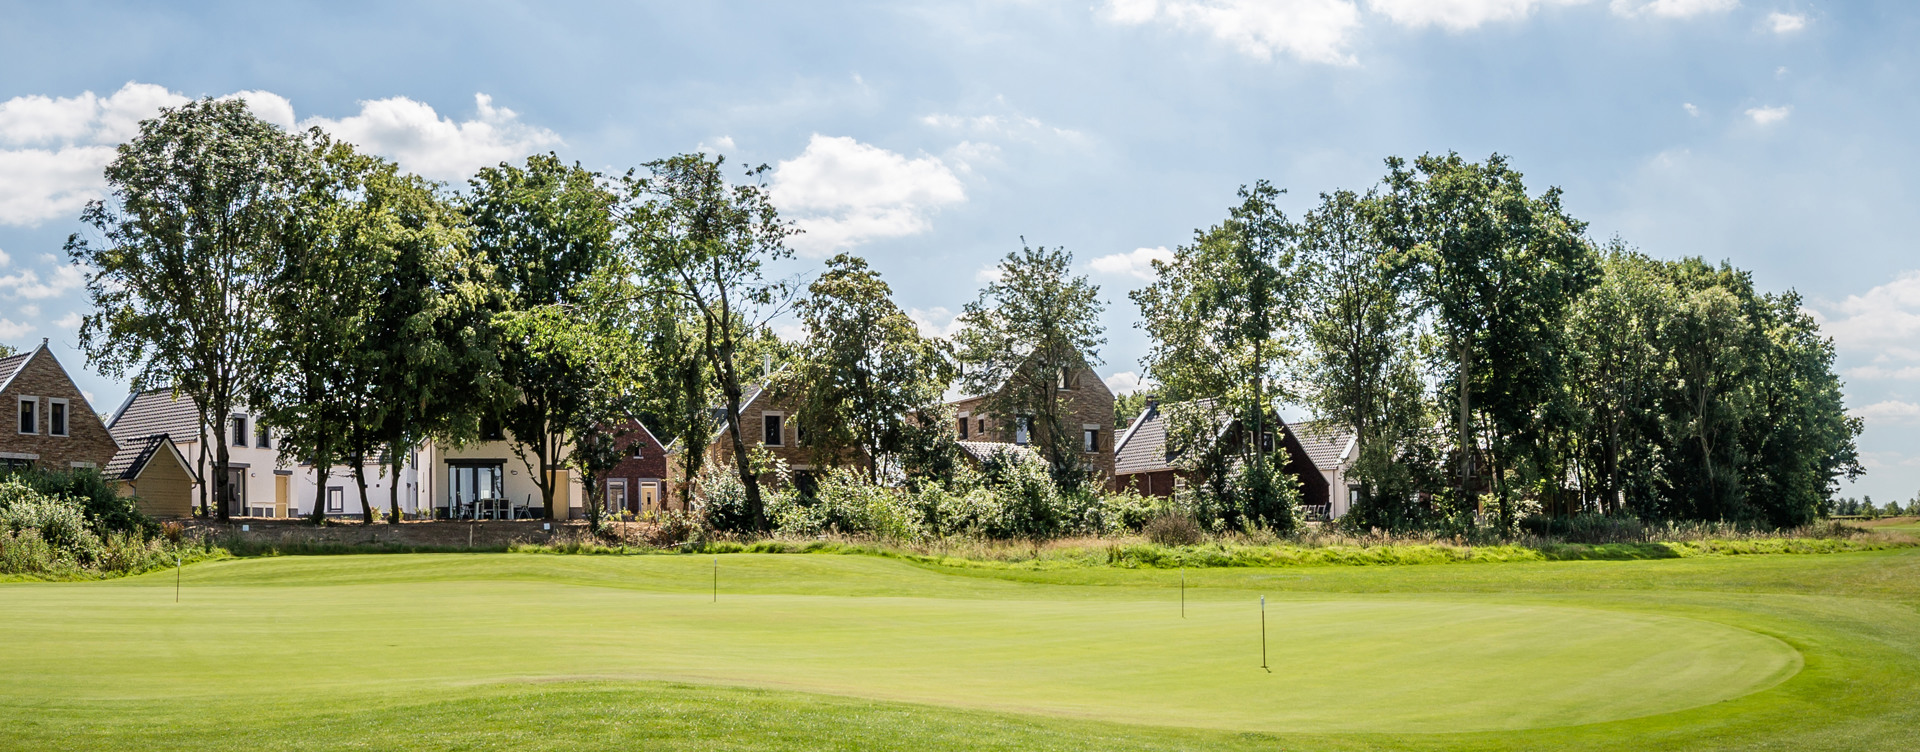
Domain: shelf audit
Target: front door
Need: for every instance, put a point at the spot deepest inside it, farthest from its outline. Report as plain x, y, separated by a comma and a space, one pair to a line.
280, 495
649, 496
467, 484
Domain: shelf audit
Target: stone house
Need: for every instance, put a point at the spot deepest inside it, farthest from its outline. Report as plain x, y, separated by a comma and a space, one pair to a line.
53, 426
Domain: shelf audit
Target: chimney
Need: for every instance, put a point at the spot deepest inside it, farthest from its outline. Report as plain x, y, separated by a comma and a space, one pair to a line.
766, 364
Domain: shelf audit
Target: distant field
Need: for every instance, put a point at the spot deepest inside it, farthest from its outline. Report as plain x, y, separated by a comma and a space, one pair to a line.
520, 651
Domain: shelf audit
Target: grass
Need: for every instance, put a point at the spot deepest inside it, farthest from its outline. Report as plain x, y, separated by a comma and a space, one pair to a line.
536, 651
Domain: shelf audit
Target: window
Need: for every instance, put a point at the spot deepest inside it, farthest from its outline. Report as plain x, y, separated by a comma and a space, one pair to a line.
1266, 442
239, 430
963, 427
260, 438
490, 429
468, 483
57, 417
980, 423
237, 489
29, 415
799, 434
336, 500
1066, 378
10, 464
616, 494
637, 449
1023, 430
1090, 439
774, 423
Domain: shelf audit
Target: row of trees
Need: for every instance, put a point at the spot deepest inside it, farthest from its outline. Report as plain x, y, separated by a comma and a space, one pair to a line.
1488, 357
363, 311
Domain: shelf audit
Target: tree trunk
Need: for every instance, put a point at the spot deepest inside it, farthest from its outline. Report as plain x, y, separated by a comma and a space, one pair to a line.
1466, 427
205, 482
360, 482
393, 491
224, 485
323, 470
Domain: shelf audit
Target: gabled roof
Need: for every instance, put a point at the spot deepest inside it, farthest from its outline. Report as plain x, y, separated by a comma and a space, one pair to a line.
133, 457
1143, 448
1328, 444
153, 412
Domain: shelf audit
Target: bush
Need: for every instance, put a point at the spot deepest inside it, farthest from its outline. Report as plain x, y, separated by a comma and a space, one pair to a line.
1172, 528
58, 523
722, 502
106, 510
845, 503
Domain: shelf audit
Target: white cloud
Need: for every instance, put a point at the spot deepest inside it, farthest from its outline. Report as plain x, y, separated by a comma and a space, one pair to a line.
30, 310
1880, 327
1769, 115
1691, 110
1786, 23
1126, 382
844, 193
1457, 15
70, 322
4, 258
1138, 263
1891, 411
1311, 30
1670, 8
53, 150
414, 135
1009, 123
991, 273
13, 330
27, 283
937, 321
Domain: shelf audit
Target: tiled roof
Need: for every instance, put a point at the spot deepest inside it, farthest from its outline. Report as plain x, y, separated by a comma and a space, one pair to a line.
1143, 449
133, 456
1324, 441
155, 411
12, 363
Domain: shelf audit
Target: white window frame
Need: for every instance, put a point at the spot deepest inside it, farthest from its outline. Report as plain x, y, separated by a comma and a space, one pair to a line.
1023, 430
32, 403
1090, 431
621, 504
336, 500
66, 416
780, 433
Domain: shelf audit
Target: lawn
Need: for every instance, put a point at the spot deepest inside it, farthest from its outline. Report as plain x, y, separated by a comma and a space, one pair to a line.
525, 651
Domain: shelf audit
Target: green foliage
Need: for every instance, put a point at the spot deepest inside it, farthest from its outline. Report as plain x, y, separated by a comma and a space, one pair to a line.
1033, 322
201, 206
107, 511
866, 375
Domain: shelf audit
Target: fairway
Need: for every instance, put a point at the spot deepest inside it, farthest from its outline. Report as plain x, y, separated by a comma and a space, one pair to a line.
292, 635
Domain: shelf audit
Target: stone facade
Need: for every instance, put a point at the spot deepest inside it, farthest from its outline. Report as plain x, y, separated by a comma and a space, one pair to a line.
37, 377
1089, 408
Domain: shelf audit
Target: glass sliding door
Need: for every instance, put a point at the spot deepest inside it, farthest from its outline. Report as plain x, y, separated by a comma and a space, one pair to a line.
471, 483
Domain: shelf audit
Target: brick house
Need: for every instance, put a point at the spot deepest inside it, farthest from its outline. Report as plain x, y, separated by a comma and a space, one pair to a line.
767, 412
639, 483
1143, 462
1088, 414
53, 427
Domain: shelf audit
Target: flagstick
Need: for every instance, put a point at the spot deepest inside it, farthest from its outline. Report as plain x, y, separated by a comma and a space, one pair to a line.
716, 579
176, 578
1263, 635
1183, 591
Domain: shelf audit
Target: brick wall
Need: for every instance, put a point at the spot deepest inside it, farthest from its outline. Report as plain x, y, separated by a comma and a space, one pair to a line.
87, 440
1089, 403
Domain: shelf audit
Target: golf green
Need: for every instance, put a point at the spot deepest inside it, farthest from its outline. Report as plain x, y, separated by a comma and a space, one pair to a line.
371, 629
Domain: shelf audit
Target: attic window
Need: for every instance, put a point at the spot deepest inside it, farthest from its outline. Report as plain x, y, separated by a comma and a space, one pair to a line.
637, 449
1066, 378
774, 434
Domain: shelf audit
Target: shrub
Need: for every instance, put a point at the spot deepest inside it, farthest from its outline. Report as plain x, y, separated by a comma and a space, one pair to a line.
847, 504
57, 523
722, 501
106, 510
1171, 528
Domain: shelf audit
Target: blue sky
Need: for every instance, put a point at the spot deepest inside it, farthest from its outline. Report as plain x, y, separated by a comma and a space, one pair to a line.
931, 137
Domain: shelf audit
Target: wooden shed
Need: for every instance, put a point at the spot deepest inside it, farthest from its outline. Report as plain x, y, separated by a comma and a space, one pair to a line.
154, 472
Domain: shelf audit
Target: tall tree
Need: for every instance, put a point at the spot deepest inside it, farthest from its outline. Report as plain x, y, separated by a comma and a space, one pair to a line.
1615, 374
188, 240
1221, 316
695, 237
544, 229
1034, 322
1361, 369
865, 370
1497, 269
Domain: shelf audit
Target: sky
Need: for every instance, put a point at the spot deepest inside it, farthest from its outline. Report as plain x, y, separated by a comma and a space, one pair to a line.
932, 138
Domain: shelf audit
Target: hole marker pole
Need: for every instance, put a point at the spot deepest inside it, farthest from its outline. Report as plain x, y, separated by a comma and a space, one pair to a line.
176, 578
1183, 592
1263, 635
716, 578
